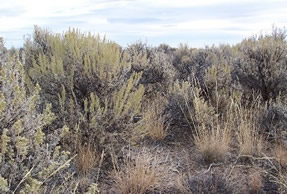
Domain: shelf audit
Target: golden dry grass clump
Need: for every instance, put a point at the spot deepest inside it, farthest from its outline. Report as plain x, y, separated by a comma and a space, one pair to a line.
213, 143
87, 157
281, 154
211, 133
250, 141
255, 181
140, 173
153, 123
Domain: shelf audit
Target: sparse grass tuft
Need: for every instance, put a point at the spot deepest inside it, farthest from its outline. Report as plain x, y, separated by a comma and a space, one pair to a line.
139, 175
153, 123
86, 158
281, 154
255, 182
249, 139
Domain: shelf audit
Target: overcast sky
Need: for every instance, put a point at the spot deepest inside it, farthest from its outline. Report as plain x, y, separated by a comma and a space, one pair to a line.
196, 22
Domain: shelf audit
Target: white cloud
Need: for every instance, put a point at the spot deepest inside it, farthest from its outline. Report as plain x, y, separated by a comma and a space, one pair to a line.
128, 20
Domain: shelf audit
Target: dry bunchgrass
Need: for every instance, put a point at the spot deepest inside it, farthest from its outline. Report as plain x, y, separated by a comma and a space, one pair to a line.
249, 139
181, 184
213, 143
281, 181
281, 154
86, 158
255, 181
139, 174
153, 123
158, 130
211, 134
278, 176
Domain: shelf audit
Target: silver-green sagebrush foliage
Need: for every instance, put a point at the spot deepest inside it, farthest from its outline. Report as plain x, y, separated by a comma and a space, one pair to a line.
261, 64
29, 158
155, 64
3, 50
86, 78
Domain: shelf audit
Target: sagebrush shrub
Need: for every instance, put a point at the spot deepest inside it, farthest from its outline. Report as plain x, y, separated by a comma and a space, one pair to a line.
274, 122
188, 106
212, 68
29, 158
188, 61
261, 64
3, 51
155, 63
86, 78
211, 134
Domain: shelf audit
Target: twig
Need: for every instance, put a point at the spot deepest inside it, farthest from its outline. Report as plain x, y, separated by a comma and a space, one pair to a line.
271, 162
257, 158
23, 179
100, 164
76, 187
210, 166
60, 167
233, 165
275, 178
